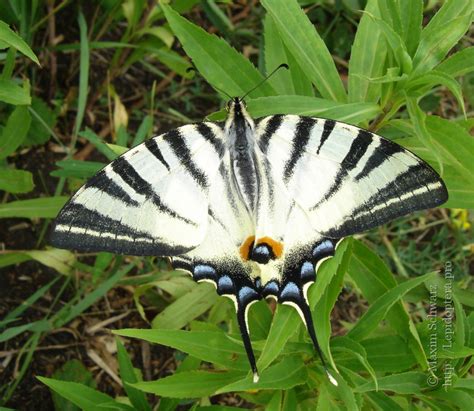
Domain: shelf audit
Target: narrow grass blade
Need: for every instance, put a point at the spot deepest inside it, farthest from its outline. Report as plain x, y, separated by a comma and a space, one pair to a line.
84, 64
37, 208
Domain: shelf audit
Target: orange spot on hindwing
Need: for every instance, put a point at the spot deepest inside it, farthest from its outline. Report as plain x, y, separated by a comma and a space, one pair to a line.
246, 248
275, 245
274, 249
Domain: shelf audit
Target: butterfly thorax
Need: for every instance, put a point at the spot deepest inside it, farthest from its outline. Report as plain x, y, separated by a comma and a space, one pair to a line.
240, 129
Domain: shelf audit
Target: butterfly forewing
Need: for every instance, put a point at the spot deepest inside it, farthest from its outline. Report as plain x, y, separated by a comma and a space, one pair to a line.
153, 200
347, 179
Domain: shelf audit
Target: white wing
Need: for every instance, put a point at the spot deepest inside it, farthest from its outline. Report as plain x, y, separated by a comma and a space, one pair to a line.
346, 179
153, 200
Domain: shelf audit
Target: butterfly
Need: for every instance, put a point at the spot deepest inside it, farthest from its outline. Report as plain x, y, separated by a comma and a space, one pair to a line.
251, 206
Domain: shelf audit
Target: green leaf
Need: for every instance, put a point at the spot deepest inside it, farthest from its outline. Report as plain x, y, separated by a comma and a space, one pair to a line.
9, 37
388, 353
210, 346
458, 64
37, 208
305, 44
397, 45
312, 106
288, 373
186, 308
442, 32
275, 54
448, 137
405, 383
60, 260
35, 326
286, 82
283, 327
43, 120
77, 168
220, 64
275, 403
12, 93
367, 58
190, 384
355, 349
433, 78
128, 376
14, 131
16, 181
411, 16
309, 106
98, 143
378, 310
373, 278
84, 397
74, 371
324, 293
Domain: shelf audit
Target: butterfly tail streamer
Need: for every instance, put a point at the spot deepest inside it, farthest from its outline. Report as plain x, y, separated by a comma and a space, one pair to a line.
308, 320
244, 331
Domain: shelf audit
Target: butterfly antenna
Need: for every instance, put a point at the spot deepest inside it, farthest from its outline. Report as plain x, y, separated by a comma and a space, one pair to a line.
283, 65
189, 69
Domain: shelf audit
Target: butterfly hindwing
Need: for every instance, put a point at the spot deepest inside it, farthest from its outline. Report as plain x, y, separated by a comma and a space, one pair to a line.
152, 200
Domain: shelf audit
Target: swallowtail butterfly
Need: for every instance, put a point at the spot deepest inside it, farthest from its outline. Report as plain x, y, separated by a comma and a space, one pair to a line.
252, 206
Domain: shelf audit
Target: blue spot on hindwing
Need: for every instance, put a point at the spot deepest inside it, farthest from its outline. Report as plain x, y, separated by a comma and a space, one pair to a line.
323, 249
202, 271
290, 292
247, 294
271, 288
307, 271
225, 285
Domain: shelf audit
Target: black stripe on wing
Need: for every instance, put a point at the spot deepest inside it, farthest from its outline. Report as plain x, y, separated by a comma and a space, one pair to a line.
301, 139
177, 143
327, 130
206, 131
82, 229
358, 148
128, 174
153, 148
421, 188
385, 150
105, 184
271, 127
